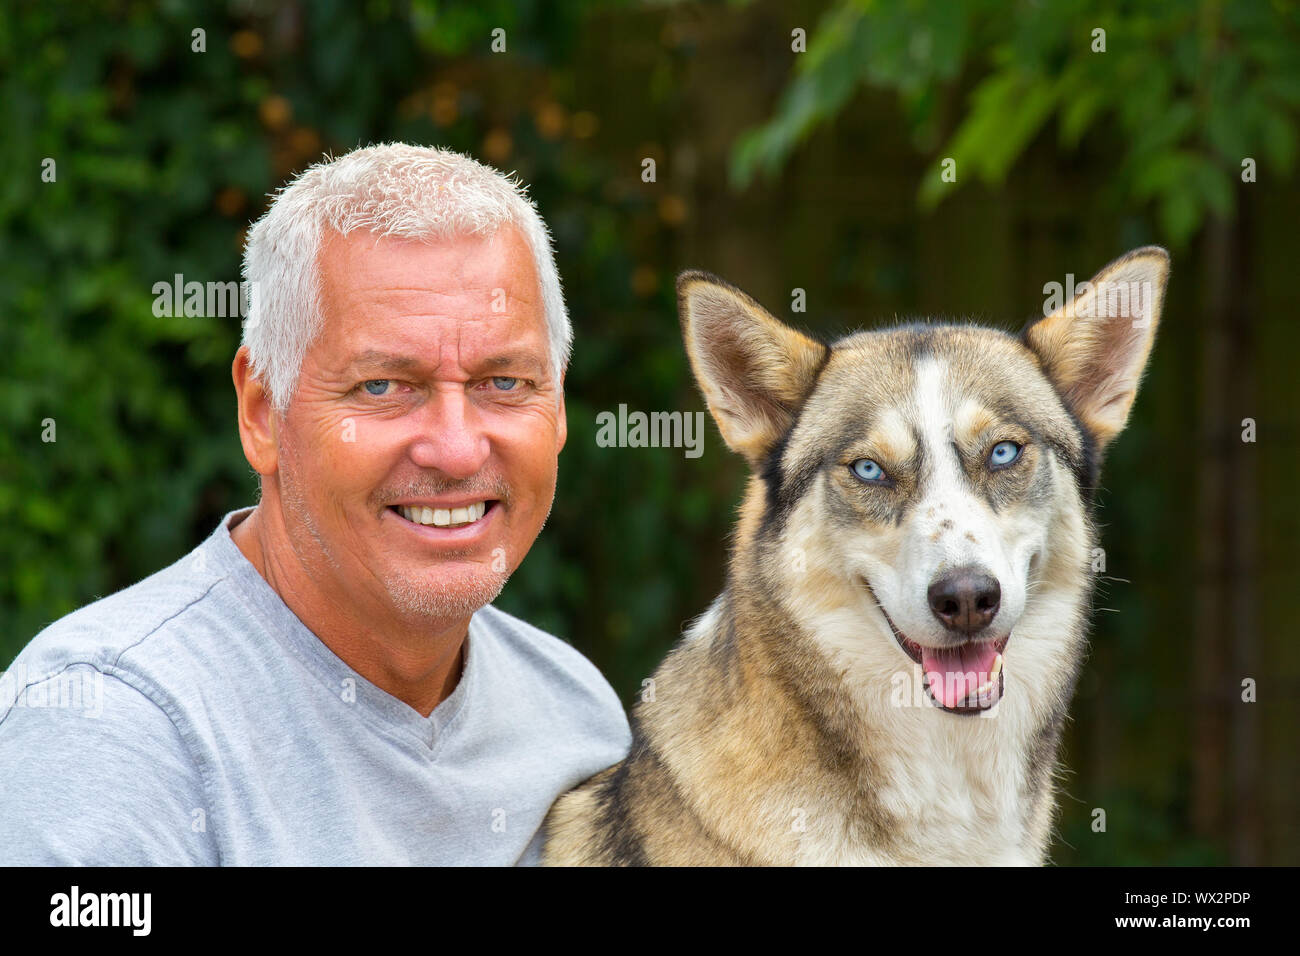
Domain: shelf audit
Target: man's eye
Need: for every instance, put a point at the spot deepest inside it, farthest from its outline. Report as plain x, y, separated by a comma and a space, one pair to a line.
505, 384
377, 386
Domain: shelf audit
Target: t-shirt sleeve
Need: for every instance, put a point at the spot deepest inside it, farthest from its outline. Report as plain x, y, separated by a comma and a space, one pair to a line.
98, 777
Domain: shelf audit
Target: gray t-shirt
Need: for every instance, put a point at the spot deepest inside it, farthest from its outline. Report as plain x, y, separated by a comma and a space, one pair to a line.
193, 719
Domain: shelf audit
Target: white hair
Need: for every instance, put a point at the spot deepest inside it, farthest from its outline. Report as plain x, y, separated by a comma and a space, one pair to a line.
409, 192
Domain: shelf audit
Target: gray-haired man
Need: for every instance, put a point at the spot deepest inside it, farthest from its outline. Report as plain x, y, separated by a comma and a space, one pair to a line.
323, 680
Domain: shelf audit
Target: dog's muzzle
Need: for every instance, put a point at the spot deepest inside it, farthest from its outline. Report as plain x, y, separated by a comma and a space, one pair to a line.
968, 676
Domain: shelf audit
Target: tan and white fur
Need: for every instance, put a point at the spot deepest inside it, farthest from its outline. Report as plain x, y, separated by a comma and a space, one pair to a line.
792, 723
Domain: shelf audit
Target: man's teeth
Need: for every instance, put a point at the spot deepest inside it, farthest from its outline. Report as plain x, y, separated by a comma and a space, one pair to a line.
444, 517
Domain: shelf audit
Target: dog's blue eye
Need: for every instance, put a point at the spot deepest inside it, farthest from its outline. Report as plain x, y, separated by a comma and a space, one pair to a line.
505, 384
377, 386
867, 470
1004, 453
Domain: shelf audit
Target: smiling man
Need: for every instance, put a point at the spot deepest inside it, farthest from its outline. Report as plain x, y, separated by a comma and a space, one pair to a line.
324, 680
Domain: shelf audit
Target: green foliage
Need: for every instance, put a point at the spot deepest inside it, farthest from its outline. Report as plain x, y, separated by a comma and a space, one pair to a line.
133, 398
1183, 92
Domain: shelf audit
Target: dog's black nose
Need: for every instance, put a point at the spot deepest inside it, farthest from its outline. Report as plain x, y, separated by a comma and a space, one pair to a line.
966, 599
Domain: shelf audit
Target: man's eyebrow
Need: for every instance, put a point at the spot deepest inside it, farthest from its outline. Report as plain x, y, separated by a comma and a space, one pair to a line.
378, 360
388, 361
523, 361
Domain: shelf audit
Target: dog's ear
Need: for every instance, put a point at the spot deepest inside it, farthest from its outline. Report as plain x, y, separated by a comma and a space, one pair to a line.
753, 370
1094, 348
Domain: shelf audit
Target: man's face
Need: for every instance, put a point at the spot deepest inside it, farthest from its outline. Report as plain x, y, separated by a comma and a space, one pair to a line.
429, 396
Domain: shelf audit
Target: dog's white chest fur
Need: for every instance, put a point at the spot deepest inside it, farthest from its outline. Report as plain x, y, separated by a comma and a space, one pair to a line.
957, 796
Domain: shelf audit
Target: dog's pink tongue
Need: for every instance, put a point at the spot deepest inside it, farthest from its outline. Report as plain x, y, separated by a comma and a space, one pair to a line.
954, 674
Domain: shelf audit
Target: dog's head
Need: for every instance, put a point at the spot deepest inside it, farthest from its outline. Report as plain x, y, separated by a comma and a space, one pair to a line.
933, 479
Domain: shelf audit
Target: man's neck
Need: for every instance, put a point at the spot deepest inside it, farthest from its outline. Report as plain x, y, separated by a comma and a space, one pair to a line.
418, 663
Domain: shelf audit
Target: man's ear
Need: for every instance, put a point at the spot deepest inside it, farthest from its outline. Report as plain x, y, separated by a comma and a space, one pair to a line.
1094, 348
257, 425
754, 371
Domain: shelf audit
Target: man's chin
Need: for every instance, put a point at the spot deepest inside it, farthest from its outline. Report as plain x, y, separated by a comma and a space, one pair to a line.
446, 595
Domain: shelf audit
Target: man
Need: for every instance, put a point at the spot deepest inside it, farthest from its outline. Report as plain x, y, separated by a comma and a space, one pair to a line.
323, 680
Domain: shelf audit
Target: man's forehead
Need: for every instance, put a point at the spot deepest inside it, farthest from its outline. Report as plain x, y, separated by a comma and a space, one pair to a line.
366, 259
408, 305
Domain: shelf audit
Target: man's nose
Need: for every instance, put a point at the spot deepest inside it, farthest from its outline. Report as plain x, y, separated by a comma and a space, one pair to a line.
452, 439
965, 599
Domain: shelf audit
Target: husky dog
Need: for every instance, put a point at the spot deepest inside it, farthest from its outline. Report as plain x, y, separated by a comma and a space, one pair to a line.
885, 676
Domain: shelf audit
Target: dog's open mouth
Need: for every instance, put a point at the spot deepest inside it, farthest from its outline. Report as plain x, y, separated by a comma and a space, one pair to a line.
965, 679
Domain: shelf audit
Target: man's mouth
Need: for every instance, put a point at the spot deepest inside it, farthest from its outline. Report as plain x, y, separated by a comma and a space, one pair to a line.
964, 679
457, 517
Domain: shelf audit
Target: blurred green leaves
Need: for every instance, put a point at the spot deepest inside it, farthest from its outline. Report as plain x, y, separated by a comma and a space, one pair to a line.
1181, 94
